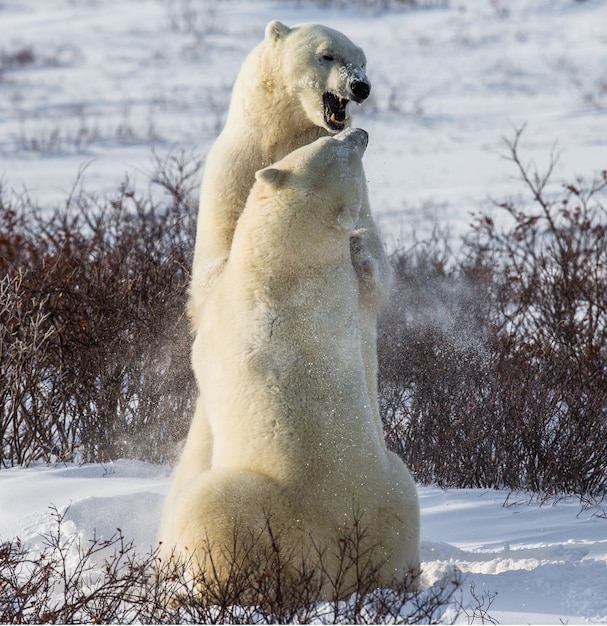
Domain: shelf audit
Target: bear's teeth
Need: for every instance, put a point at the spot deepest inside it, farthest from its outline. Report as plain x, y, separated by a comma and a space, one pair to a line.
334, 119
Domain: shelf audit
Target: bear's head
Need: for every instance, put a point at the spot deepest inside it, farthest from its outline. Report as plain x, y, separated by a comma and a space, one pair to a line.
315, 191
321, 69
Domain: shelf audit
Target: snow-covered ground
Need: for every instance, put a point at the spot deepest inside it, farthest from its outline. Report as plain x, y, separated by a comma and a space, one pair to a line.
104, 83
546, 564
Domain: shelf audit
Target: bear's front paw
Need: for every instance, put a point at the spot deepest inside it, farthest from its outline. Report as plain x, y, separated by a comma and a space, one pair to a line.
362, 259
371, 265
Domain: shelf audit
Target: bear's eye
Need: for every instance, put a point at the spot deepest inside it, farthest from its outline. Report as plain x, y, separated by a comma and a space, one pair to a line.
327, 56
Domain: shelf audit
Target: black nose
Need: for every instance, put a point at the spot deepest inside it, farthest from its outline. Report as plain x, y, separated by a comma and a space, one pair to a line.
360, 89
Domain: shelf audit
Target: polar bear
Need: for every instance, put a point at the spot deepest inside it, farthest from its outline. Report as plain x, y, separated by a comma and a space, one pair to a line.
294, 87
281, 369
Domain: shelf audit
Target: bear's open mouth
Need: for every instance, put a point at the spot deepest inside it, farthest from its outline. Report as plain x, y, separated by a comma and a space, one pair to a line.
335, 111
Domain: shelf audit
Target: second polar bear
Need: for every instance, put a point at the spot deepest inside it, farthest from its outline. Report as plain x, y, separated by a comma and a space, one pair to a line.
280, 365
294, 87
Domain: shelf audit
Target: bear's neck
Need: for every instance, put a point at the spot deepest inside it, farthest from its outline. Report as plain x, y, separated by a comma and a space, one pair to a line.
289, 253
266, 103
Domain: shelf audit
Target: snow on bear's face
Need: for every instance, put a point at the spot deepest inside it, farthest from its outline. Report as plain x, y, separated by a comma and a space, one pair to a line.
322, 69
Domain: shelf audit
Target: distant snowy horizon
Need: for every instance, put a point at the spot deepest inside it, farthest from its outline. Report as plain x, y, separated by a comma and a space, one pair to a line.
95, 86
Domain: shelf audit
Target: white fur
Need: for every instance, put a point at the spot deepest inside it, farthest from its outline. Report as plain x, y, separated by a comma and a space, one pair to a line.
280, 365
277, 107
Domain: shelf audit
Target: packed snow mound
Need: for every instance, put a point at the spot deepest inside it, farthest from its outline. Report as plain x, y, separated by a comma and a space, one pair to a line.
96, 499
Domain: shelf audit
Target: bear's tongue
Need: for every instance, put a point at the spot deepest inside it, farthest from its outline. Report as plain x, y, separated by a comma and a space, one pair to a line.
335, 111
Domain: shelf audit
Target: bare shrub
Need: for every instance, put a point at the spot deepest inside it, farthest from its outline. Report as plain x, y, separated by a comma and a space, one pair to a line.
24, 338
107, 581
478, 613
69, 581
21, 57
194, 18
591, 86
492, 363
550, 290
78, 129
94, 346
433, 356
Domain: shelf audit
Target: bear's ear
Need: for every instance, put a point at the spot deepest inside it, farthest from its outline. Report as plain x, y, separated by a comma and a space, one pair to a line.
276, 30
271, 176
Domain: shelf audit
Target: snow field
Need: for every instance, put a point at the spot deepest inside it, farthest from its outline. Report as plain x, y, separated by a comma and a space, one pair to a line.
528, 563
102, 84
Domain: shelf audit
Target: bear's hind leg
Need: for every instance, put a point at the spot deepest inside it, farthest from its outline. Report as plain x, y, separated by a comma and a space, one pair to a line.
234, 528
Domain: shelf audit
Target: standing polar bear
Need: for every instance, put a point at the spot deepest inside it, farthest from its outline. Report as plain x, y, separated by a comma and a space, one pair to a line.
280, 364
294, 87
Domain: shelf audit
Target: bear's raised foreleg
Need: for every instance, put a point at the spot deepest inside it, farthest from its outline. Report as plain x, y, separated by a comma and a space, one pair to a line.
374, 274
